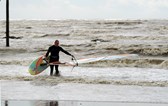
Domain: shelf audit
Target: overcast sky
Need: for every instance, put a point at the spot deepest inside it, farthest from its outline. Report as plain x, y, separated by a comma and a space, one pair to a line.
86, 9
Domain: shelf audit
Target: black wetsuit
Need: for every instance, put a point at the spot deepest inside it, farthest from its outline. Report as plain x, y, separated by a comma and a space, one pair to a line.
54, 56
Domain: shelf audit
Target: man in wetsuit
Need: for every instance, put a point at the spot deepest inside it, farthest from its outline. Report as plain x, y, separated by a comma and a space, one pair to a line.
54, 56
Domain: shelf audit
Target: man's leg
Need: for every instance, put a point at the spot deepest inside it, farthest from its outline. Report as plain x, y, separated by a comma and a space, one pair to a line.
51, 70
56, 69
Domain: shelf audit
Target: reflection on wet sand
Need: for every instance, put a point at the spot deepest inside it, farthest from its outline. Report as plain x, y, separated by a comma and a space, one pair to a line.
53, 103
29, 103
6, 103
78, 103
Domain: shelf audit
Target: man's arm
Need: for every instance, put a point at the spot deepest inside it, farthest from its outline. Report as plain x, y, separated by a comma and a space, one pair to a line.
48, 51
64, 51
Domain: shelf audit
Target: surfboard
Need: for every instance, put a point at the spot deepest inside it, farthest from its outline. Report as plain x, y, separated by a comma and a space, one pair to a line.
36, 67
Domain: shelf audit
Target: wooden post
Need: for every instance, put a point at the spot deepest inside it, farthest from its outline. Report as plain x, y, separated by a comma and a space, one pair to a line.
7, 23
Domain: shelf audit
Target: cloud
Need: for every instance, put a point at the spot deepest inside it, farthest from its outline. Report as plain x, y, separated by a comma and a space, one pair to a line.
137, 8
86, 9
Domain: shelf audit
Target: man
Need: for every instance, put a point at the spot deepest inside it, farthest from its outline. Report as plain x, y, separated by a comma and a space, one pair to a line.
54, 56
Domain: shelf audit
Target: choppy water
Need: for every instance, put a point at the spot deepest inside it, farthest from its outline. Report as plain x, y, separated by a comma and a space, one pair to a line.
90, 38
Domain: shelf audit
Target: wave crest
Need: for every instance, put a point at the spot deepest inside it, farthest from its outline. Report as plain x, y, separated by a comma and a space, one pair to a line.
48, 80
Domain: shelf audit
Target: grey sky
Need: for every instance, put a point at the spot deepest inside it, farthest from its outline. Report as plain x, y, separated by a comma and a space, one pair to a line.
86, 9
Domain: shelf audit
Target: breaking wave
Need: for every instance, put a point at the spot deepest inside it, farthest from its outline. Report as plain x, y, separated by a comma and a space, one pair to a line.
160, 63
51, 81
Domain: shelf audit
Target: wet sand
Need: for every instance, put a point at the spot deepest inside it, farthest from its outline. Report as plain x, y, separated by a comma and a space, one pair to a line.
22, 90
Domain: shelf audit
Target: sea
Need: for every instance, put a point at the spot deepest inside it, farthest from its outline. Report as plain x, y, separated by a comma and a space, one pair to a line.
140, 80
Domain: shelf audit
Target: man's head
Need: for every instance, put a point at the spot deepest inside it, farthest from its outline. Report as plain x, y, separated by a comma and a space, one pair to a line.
56, 43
